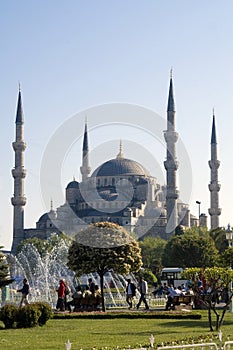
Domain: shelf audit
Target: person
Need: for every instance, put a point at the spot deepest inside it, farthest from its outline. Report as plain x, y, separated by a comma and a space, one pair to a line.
76, 299
91, 285
130, 292
143, 291
171, 293
85, 302
61, 296
25, 291
67, 292
98, 296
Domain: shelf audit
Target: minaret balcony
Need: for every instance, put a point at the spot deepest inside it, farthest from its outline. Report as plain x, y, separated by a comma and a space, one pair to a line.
19, 200
19, 146
19, 172
171, 136
215, 211
172, 194
171, 164
214, 164
214, 187
85, 170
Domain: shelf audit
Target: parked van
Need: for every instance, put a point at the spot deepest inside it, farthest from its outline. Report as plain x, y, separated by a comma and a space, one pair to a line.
172, 275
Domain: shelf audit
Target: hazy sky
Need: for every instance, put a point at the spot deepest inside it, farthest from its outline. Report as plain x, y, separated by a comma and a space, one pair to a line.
73, 55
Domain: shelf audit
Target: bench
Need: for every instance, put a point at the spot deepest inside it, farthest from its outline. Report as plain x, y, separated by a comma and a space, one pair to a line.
177, 300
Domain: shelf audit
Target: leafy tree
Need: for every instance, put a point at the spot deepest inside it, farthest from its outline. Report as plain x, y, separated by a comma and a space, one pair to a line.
4, 271
152, 251
219, 237
190, 249
226, 258
45, 246
148, 276
104, 247
217, 279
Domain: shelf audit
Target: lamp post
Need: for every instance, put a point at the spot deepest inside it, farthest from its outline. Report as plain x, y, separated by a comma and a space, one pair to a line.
199, 214
229, 238
229, 235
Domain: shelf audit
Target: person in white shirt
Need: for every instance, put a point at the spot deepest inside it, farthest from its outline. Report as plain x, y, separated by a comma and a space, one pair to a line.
143, 291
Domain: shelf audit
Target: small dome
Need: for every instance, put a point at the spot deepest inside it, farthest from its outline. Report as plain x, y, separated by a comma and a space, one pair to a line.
73, 184
44, 218
120, 166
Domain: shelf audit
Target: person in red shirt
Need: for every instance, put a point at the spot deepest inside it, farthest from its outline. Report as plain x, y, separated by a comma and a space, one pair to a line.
61, 296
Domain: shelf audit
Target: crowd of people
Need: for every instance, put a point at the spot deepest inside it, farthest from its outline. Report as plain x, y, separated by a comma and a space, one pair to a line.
82, 300
89, 298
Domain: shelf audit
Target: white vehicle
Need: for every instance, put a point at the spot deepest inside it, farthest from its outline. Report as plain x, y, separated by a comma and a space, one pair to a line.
172, 275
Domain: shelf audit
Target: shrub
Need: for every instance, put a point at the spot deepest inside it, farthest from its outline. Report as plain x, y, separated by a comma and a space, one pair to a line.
8, 315
28, 316
46, 312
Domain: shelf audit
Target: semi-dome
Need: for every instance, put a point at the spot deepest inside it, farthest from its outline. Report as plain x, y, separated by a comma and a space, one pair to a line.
120, 166
73, 184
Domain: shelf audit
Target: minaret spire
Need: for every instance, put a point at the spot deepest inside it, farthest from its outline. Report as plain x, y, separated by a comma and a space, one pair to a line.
85, 168
18, 200
171, 164
214, 186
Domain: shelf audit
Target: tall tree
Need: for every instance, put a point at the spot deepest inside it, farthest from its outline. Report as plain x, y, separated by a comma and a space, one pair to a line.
104, 247
226, 258
152, 251
189, 250
219, 237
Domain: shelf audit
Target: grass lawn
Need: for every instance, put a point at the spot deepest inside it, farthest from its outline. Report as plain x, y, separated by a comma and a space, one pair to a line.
90, 333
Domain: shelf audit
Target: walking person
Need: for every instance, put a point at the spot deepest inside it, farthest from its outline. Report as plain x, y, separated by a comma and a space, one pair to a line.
130, 293
25, 292
143, 291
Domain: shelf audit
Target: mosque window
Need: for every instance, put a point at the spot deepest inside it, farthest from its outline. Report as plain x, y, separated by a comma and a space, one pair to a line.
113, 181
105, 182
98, 182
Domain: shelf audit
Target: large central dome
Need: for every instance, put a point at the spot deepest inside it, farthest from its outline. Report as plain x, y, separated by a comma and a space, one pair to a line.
120, 166
115, 167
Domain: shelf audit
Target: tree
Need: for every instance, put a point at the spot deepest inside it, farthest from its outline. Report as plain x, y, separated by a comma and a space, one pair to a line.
45, 246
104, 247
152, 251
189, 250
219, 236
218, 280
226, 258
4, 271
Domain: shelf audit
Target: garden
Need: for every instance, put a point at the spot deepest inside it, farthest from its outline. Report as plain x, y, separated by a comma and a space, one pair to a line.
113, 333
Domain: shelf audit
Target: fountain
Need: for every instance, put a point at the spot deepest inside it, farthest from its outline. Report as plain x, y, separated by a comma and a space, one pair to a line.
43, 274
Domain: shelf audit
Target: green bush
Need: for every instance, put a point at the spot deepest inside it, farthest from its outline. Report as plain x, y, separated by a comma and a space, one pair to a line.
28, 316
8, 315
46, 312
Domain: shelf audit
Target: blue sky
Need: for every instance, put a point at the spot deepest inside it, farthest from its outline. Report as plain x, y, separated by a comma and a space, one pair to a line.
73, 55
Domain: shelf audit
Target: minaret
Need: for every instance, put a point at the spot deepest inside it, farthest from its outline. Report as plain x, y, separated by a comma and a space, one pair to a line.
85, 168
18, 200
171, 164
214, 186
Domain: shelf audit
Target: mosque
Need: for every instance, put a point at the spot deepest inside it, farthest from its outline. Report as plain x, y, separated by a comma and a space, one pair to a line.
120, 190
